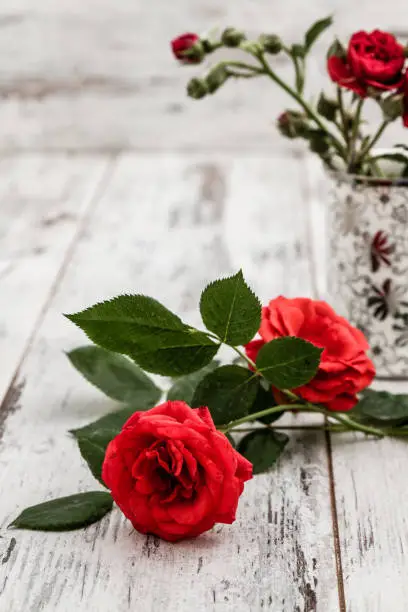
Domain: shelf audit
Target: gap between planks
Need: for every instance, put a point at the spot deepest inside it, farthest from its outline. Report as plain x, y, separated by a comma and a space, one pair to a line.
316, 229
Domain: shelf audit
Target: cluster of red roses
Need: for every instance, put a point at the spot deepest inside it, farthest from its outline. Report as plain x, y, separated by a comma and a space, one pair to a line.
173, 474
171, 469
373, 63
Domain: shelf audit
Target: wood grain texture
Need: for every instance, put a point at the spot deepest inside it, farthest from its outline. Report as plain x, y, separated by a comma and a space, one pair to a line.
369, 480
43, 203
165, 226
96, 75
372, 509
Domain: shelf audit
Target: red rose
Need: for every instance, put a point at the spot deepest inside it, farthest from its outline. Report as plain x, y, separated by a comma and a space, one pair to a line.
344, 369
405, 91
173, 474
184, 43
340, 72
373, 60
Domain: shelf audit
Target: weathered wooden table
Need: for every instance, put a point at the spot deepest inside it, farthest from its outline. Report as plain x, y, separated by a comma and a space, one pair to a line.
325, 530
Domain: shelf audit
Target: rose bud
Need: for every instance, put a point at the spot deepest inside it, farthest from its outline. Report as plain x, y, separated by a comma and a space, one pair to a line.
188, 49
318, 142
327, 108
271, 43
292, 124
216, 78
173, 474
197, 88
232, 37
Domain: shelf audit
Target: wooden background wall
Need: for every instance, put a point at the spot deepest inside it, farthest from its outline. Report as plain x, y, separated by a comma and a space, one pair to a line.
98, 75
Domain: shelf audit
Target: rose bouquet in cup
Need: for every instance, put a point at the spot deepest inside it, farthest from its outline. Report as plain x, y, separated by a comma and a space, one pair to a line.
175, 461
372, 66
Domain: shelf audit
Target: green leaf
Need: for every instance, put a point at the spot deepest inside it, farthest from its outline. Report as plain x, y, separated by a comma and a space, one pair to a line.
264, 400
298, 51
316, 30
288, 362
262, 448
112, 423
115, 375
66, 513
151, 335
228, 392
94, 438
382, 408
93, 450
183, 388
396, 157
231, 310
393, 107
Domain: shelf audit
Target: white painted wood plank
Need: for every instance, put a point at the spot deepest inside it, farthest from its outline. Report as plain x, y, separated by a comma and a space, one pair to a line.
92, 75
97, 75
372, 506
369, 478
43, 202
166, 226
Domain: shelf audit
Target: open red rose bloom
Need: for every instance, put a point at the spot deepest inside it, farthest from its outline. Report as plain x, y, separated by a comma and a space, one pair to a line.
373, 59
345, 368
173, 474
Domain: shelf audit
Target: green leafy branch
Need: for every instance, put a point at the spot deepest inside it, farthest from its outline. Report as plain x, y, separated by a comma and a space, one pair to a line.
237, 395
333, 126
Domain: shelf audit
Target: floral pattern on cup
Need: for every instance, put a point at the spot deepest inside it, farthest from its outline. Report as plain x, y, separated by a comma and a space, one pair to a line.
368, 266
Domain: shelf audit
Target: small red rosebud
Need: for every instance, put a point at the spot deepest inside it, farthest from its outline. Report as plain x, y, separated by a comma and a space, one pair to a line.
186, 48
292, 124
283, 118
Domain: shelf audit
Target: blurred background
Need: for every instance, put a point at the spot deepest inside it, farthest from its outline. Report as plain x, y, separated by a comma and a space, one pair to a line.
98, 75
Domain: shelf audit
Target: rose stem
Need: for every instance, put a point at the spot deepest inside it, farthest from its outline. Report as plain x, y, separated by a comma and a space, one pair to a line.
354, 134
299, 71
245, 357
343, 115
262, 413
298, 407
346, 420
242, 66
373, 141
332, 428
302, 103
